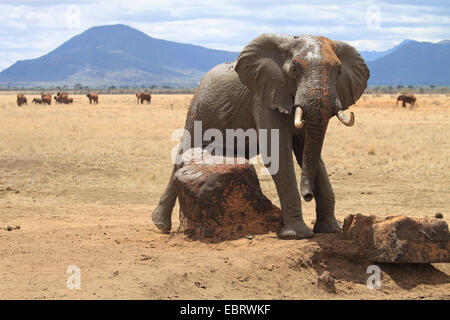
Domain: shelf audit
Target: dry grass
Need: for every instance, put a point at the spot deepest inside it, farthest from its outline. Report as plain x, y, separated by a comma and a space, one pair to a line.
91, 174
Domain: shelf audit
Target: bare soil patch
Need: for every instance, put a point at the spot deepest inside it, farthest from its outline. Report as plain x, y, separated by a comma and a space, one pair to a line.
89, 176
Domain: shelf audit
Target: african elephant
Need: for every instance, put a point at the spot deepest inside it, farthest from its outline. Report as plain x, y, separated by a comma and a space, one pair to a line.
138, 96
92, 97
21, 99
146, 96
46, 98
58, 99
407, 98
295, 84
37, 101
62, 97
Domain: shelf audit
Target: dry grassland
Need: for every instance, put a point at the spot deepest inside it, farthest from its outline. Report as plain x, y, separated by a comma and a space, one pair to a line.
82, 180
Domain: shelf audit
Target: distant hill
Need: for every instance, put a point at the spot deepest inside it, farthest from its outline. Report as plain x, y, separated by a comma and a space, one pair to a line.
413, 63
120, 55
374, 55
115, 55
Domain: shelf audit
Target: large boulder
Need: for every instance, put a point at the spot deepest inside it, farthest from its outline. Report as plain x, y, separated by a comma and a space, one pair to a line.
221, 199
399, 239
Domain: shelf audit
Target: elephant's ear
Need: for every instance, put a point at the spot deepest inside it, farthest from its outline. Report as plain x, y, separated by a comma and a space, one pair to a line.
354, 74
259, 67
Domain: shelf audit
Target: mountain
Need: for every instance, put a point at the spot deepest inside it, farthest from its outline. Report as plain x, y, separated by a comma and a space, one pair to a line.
414, 63
120, 55
116, 55
374, 55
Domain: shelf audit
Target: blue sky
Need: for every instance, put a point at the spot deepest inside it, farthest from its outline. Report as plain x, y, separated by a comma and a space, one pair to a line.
31, 28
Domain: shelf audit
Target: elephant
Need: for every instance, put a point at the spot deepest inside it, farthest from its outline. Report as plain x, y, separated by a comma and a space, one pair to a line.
407, 98
37, 101
294, 84
93, 96
46, 98
138, 96
62, 97
21, 99
146, 96
58, 99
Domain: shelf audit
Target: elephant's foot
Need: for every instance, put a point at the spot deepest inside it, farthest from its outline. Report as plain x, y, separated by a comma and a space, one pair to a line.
330, 225
162, 219
296, 230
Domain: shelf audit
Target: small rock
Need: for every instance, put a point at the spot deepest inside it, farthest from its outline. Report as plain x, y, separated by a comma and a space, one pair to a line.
439, 215
8, 228
199, 285
326, 282
8, 189
249, 237
17, 191
349, 173
242, 279
313, 221
116, 273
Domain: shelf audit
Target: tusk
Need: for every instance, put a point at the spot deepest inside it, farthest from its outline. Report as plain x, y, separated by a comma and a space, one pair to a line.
343, 118
298, 122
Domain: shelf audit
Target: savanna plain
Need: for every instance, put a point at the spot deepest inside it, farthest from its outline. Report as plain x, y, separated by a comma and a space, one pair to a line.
82, 180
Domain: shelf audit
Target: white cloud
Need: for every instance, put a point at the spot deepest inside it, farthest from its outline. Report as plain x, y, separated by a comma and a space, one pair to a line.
32, 28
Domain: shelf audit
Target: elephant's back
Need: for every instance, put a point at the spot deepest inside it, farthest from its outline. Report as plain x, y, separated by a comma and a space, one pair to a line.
221, 98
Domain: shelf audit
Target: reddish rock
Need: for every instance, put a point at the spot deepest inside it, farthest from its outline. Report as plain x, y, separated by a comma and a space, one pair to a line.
221, 201
399, 239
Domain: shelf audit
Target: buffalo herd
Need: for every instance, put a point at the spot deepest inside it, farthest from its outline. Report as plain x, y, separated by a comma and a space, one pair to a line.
63, 98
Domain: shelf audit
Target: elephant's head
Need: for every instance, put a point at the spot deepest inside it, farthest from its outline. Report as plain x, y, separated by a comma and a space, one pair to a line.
311, 78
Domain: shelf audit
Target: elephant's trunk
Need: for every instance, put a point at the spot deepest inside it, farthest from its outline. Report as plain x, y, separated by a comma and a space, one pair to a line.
316, 97
314, 136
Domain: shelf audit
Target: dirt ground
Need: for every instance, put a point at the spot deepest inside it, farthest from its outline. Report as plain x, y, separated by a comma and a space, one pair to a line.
82, 180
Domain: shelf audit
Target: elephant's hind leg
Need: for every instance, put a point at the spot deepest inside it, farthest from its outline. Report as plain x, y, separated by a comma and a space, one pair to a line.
323, 192
162, 215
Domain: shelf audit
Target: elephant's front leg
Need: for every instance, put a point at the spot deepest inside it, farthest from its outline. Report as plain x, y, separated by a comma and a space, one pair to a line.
293, 225
323, 193
281, 168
